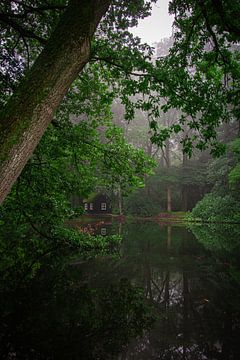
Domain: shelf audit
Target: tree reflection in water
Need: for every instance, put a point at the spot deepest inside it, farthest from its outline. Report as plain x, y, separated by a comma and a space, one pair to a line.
195, 292
167, 297
65, 315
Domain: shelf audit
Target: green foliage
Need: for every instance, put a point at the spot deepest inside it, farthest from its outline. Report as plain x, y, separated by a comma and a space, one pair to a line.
70, 159
81, 151
234, 174
235, 145
77, 155
222, 205
139, 203
129, 165
199, 76
214, 208
217, 174
25, 249
26, 27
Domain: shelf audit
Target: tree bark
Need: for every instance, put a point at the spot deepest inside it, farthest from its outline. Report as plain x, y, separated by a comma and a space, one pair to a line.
184, 186
168, 164
120, 200
30, 110
169, 198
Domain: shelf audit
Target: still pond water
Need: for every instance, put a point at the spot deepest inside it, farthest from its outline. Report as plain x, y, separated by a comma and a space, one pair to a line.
170, 292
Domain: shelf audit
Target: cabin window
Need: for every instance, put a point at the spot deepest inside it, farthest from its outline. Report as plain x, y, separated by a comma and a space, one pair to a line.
103, 206
86, 206
91, 206
103, 231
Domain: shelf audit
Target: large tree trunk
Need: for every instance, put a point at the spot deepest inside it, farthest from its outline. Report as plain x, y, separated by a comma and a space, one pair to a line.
184, 204
169, 198
32, 107
168, 164
120, 201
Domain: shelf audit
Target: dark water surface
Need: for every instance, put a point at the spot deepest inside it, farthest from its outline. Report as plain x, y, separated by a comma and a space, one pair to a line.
170, 293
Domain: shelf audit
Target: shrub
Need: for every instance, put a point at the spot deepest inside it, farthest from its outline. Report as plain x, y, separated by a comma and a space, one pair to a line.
215, 208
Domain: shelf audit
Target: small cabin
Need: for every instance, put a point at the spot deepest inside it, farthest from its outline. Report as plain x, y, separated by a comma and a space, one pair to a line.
97, 204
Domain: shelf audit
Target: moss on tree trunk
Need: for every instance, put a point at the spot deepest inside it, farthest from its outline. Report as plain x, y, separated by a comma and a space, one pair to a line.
32, 107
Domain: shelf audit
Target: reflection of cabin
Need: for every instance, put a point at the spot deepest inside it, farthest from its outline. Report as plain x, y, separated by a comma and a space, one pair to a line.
97, 204
104, 230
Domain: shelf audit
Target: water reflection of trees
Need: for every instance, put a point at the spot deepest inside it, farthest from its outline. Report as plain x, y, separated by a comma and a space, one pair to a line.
93, 309
191, 288
67, 314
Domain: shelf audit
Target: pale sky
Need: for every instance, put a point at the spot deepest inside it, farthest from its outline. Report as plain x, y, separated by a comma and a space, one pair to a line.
157, 26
